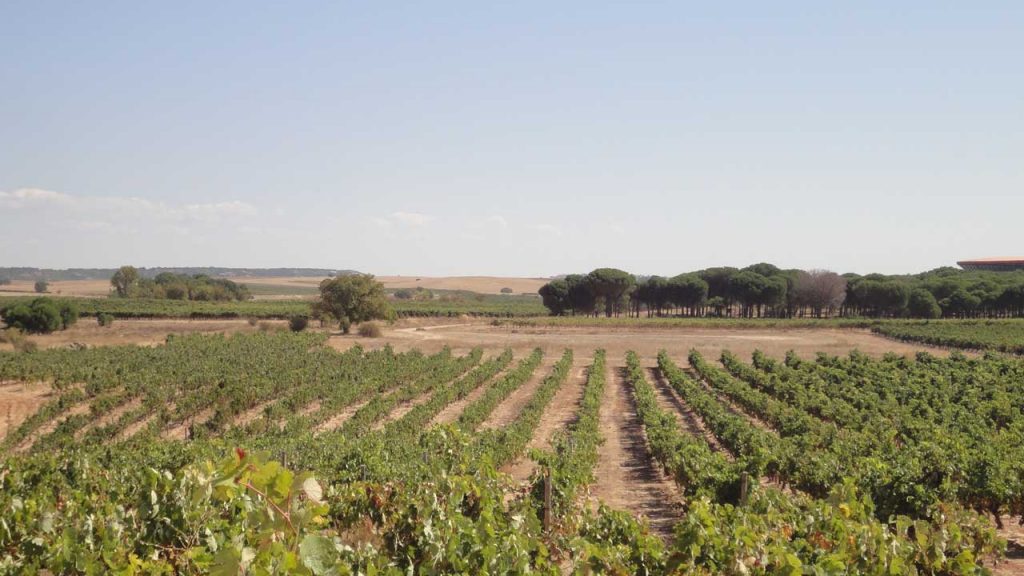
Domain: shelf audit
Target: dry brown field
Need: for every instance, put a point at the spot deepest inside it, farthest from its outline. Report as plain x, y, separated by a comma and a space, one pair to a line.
481, 284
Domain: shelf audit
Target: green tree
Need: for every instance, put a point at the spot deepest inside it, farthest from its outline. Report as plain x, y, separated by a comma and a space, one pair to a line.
555, 296
124, 279
352, 298
922, 304
610, 285
42, 286
688, 291
581, 297
41, 316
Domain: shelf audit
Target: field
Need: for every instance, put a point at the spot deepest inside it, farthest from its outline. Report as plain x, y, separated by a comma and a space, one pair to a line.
1000, 335
429, 447
275, 287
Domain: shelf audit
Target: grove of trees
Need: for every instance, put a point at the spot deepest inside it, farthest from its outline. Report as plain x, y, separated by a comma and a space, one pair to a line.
40, 316
766, 291
128, 283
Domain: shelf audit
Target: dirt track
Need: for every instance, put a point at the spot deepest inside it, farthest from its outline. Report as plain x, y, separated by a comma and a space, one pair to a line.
627, 479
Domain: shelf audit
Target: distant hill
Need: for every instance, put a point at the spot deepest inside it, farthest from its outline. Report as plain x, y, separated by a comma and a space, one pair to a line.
213, 271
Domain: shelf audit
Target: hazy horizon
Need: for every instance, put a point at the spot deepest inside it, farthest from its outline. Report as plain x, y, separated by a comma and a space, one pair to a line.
528, 140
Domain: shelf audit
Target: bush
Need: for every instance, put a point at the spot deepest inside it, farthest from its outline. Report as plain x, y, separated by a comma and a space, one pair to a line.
68, 315
298, 323
370, 330
104, 319
41, 316
42, 286
506, 290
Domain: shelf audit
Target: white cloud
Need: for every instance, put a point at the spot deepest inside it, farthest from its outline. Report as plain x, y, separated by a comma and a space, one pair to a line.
92, 209
547, 229
382, 223
498, 221
411, 218
216, 211
27, 196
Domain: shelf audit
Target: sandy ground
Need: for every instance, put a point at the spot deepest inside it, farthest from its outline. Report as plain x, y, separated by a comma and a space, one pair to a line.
19, 401
627, 479
646, 342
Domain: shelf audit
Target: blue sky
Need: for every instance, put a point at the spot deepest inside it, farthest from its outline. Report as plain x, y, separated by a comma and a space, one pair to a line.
514, 139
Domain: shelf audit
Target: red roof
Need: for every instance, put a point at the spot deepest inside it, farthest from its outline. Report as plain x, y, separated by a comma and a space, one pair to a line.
1004, 260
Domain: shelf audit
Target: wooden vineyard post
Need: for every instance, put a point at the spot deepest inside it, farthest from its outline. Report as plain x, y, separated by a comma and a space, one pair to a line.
744, 488
547, 499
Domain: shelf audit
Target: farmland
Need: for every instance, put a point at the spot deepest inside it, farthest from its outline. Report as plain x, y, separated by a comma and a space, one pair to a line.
431, 448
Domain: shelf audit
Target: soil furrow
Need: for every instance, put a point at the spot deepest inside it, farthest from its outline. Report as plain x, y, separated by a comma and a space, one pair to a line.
559, 414
510, 407
627, 478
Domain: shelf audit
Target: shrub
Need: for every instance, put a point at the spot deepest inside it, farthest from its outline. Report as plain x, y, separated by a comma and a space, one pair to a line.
41, 316
298, 323
104, 319
42, 286
370, 330
68, 315
506, 290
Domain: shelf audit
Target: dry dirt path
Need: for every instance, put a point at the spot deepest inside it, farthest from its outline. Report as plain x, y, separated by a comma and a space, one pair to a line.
1013, 532
557, 416
509, 408
627, 478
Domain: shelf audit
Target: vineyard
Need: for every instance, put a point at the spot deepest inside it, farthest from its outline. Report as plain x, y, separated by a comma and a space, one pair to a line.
274, 453
1000, 335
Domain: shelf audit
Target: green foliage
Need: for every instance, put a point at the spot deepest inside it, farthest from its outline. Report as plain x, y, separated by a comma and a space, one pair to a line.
41, 286
352, 298
124, 280
298, 323
40, 316
105, 319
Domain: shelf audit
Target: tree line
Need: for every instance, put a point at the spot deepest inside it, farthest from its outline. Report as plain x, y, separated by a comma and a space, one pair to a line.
128, 283
767, 291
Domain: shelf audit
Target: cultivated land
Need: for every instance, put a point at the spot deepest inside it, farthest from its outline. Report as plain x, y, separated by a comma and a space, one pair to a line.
511, 388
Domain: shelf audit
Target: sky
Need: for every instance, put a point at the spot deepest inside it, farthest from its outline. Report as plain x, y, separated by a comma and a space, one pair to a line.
514, 139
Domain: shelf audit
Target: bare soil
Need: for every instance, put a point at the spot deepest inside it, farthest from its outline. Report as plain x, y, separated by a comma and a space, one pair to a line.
110, 417
1014, 534
510, 407
19, 401
180, 431
403, 409
451, 412
558, 415
334, 422
76, 410
627, 478
689, 421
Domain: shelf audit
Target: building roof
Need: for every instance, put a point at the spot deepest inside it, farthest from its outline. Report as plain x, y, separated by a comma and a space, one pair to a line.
998, 260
